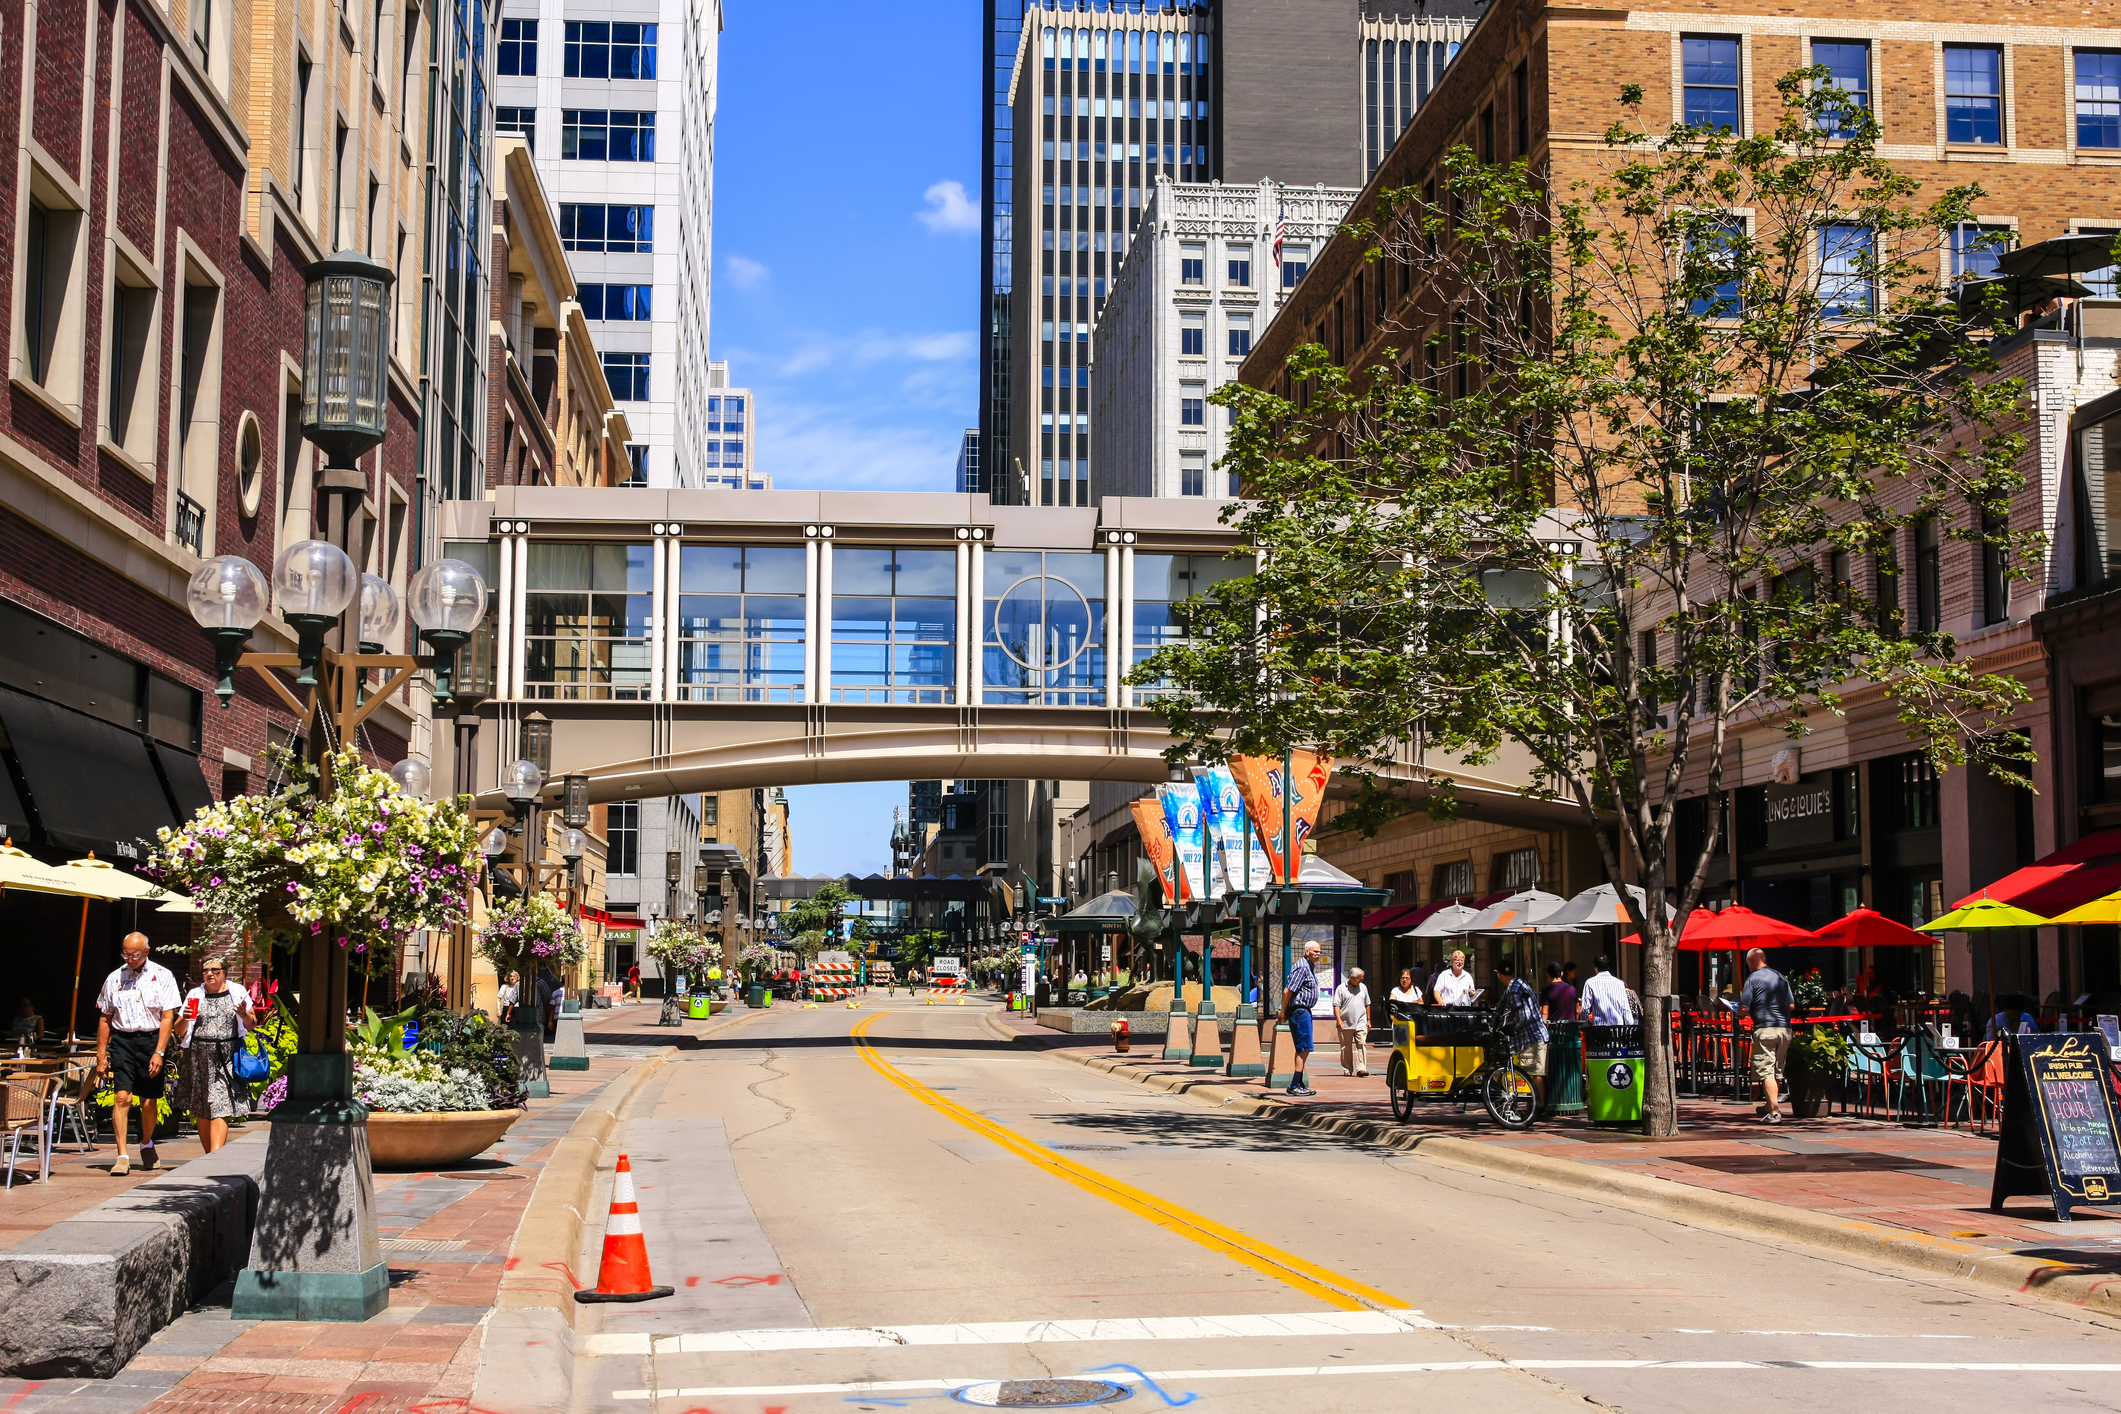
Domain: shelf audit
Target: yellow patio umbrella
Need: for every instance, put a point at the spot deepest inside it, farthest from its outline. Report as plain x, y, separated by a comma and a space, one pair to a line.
2099, 910
1985, 912
19, 871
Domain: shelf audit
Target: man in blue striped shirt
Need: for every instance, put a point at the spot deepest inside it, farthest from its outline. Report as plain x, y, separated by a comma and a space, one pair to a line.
1298, 996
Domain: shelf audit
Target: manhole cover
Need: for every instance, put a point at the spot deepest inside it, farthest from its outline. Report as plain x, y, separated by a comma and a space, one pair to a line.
1041, 1394
1092, 1148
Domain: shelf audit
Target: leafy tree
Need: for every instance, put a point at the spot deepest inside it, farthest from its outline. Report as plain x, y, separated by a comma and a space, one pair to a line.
1579, 510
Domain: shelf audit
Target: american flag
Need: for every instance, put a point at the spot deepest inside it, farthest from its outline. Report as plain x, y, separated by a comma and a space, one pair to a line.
1281, 229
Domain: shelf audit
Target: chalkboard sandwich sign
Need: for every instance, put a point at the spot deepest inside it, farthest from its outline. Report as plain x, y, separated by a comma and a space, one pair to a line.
2060, 1134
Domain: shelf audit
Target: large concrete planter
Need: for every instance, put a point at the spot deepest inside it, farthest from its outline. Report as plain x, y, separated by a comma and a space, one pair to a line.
430, 1141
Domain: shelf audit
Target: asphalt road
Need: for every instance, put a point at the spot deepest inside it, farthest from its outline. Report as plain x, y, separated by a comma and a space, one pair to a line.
886, 1207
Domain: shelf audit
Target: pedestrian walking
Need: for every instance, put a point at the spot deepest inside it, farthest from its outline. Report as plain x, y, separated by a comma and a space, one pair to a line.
1559, 994
511, 991
136, 1007
1406, 995
1299, 995
1605, 997
633, 981
548, 985
1525, 1024
1454, 987
1768, 1000
1351, 1007
217, 1016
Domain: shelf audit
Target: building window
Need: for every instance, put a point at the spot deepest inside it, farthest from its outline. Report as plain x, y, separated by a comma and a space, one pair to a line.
127, 416
622, 836
1719, 248
598, 50
1295, 261
614, 302
1192, 334
518, 53
627, 373
1043, 628
1240, 328
1192, 474
595, 135
1848, 69
518, 120
894, 625
1192, 264
1929, 581
636, 464
1995, 567
621, 230
1161, 584
1453, 880
1192, 405
1845, 270
586, 610
1915, 796
2108, 786
1241, 266
725, 414
1710, 79
1976, 251
2098, 97
1973, 94
1516, 869
740, 623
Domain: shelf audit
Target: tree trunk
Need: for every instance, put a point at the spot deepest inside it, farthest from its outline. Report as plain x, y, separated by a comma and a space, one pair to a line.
1660, 1100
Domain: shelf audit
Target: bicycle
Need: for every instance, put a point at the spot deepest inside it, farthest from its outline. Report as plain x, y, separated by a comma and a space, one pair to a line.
1444, 1055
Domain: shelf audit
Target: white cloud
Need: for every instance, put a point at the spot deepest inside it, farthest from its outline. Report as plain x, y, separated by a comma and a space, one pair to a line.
745, 274
950, 210
867, 347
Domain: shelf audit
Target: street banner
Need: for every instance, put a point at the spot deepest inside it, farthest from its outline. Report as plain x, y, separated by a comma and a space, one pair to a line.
1231, 833
1181, 804
1259, 782
1156, 843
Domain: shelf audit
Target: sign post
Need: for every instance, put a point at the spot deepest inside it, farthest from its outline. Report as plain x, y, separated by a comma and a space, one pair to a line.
2059, 1125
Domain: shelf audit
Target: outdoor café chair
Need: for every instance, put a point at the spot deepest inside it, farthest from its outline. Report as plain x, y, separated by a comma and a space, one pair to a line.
74, 1102
1867, 1069
1983, 1078
25, 1115
1921, 1068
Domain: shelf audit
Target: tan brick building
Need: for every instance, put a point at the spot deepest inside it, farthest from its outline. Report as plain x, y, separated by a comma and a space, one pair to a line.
2031, 111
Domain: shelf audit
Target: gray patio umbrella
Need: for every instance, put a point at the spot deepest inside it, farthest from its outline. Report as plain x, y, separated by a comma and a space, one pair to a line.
1595, 907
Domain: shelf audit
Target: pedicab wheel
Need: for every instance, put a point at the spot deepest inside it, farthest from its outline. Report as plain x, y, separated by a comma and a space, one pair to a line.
1510, 1098
1396, 1083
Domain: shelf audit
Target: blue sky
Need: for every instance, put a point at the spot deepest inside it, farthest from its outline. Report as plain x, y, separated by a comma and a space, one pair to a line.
846, 264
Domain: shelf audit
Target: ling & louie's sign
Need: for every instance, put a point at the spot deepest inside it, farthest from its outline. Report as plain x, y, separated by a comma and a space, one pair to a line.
1800, 813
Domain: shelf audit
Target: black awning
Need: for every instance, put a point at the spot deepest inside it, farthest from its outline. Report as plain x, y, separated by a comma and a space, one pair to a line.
14, 816
187, 783
91, 785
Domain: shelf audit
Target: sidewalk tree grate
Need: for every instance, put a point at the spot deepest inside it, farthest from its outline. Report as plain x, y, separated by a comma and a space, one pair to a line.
421, 1244
1041, 1394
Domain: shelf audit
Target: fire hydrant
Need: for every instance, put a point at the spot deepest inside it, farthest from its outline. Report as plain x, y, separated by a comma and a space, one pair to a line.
1120, 1035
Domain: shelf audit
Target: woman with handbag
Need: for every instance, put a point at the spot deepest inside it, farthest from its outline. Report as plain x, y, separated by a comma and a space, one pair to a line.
212, 1023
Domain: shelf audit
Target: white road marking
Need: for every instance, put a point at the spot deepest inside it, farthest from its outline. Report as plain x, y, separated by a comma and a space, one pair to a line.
1437, 1367
1301, 1323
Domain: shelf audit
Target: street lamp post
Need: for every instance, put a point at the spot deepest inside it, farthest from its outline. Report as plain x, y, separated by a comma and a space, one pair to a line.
315, 1253
520, 785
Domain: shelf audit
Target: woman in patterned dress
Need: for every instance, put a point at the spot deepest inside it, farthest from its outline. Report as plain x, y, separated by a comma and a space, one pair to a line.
213, 1021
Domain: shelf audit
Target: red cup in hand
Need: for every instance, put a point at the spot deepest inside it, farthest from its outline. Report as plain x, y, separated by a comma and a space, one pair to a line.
191, 1006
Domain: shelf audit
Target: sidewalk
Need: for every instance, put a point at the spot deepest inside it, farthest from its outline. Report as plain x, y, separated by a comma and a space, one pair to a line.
1934, 1182
447, 1237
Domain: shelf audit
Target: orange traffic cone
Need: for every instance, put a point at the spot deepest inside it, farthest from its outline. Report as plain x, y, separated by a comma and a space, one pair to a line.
624, 1276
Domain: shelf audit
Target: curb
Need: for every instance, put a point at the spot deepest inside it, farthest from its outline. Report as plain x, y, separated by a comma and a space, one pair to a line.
1936, 1256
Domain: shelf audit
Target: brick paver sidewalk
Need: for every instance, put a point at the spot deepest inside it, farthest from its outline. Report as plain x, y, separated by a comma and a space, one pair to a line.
1928, 1180
446, 1237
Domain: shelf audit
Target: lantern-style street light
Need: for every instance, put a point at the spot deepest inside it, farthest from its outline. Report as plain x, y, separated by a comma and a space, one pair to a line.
228, 595
345, 346
314, 581
379, 613
521, 783
448, 598
414, 776
574, 808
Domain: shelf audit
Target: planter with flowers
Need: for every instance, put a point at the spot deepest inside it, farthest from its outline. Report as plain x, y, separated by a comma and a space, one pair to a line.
442, 1102
680, 949
522, 935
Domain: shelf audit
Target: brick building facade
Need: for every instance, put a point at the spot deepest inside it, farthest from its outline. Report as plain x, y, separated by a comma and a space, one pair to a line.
166, 197
2030, 110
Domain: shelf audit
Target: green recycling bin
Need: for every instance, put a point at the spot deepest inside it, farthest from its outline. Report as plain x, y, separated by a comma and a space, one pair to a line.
1612, 1073
699, 1006
757, 996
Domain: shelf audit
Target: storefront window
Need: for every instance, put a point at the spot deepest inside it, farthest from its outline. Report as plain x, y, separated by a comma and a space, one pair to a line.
740, 623
894, 625
586, 610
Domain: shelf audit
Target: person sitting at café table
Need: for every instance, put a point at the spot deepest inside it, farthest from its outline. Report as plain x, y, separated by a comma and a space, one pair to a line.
1455, 986
28, 1026
2016, 1018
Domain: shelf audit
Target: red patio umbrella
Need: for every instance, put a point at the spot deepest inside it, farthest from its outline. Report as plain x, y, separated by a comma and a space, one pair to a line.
1868, 928
1721, 930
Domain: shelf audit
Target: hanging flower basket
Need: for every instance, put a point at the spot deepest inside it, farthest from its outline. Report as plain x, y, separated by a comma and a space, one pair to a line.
522, 934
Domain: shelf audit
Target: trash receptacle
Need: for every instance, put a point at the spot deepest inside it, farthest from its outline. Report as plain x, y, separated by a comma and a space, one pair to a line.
699, 1006
756, 996
1565, 1067
1613, 1073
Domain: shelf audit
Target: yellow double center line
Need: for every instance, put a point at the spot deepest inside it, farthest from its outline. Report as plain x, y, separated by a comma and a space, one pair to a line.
1328, 1286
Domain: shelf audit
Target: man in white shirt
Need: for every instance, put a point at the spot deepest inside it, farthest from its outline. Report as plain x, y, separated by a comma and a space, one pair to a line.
1605, 997
1351, 1008
1454, 986
137, 1005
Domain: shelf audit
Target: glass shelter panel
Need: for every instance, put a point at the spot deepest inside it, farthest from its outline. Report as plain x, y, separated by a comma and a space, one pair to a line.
894, 625
586, 609
1043, 628
740, 623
